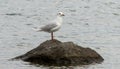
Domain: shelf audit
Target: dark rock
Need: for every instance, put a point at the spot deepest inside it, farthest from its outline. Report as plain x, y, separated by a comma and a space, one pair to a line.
61, 54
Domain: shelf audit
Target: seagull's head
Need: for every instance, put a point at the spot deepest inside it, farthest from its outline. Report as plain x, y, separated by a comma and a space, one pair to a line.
60, 14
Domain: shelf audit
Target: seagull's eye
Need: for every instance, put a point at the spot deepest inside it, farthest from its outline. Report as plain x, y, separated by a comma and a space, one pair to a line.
59, 13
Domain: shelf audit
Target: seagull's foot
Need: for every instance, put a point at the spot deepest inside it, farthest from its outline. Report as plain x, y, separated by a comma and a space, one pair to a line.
53, 40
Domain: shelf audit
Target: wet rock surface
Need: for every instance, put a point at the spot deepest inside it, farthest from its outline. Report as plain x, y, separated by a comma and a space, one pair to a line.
59, 53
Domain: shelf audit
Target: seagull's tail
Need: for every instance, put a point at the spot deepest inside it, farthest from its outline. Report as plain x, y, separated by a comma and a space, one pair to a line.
36, 29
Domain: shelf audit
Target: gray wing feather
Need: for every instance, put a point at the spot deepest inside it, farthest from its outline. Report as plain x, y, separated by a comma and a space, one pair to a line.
48, 27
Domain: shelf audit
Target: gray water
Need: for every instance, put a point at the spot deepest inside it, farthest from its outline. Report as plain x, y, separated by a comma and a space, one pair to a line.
89, 23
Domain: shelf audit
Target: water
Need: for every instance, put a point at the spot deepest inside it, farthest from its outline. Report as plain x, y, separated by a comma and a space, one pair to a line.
89, 23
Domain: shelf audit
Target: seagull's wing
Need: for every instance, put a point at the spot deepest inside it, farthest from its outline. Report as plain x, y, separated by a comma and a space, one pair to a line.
48, 27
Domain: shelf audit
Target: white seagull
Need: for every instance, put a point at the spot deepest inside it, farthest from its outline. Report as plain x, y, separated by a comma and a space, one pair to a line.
53, 26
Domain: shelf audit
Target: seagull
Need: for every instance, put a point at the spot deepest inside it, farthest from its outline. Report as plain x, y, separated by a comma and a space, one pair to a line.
53, 26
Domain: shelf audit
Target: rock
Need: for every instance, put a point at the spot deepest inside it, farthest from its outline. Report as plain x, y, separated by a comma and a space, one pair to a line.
58, 53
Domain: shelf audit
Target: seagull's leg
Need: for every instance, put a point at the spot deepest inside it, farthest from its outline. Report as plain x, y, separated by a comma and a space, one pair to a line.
51, 35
